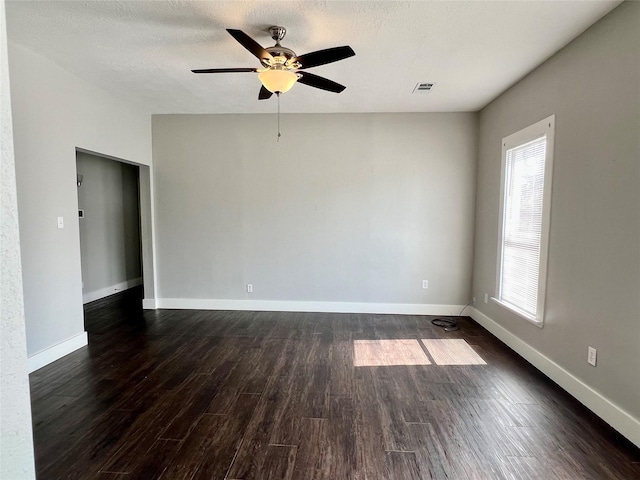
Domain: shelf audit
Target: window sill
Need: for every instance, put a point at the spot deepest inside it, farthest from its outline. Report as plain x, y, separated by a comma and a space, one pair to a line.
518, 312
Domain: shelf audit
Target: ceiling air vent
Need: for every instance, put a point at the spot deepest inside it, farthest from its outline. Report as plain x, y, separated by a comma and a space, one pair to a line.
423, 87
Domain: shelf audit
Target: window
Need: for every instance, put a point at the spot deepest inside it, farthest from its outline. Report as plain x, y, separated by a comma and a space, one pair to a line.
527, 161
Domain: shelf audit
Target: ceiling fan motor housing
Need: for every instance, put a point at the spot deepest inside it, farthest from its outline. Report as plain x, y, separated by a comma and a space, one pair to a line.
281, 55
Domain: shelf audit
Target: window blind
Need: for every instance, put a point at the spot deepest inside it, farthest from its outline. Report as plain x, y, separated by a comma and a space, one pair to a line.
522, 225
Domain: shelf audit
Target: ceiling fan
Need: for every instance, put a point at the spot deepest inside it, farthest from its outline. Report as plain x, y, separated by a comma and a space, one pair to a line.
282, 67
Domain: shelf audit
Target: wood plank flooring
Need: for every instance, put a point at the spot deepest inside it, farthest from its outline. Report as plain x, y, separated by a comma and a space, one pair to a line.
261, 395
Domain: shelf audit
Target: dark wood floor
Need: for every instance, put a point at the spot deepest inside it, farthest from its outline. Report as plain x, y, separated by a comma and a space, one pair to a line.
243, 395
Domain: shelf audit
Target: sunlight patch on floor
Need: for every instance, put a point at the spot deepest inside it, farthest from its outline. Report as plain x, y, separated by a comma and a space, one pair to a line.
381, 353
386, 353
454, 351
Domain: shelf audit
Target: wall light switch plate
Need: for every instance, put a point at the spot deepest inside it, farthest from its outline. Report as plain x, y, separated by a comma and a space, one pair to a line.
486, 298
60, 222
249, 288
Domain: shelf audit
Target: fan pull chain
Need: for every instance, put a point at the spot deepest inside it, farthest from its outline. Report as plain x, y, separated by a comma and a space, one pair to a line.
279, 135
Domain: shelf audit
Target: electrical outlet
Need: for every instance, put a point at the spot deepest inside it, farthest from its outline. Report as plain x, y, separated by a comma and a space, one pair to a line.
249, 288
486, 298
591, 356
425, 284
473, 302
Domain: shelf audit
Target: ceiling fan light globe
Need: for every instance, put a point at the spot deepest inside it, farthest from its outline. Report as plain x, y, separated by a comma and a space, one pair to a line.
278, 81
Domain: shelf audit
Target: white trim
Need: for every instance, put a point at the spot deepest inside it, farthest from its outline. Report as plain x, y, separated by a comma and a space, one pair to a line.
516, 311
619, 419
545, 127
110, 290
51, 354
148, 303
321, 307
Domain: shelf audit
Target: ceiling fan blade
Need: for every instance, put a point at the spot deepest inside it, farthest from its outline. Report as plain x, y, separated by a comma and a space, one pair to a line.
322, 57
264, 94
250, 44
225, 70
320, 82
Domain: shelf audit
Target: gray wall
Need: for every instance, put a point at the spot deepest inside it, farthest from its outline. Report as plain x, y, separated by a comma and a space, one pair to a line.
53, 114
345, 208
593, 289
16, 444
110, 229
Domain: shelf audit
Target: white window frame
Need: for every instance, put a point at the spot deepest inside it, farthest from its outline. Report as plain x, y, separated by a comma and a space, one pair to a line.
545, 127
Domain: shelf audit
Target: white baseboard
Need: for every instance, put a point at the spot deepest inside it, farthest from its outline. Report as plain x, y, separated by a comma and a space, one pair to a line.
293, 306
110, 290
51, 354
149, 303
615, 416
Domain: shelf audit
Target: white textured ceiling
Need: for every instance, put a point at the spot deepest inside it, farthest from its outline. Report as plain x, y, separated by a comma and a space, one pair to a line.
144, 51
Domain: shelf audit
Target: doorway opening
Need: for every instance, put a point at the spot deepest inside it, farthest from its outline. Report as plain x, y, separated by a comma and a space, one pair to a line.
109, 215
